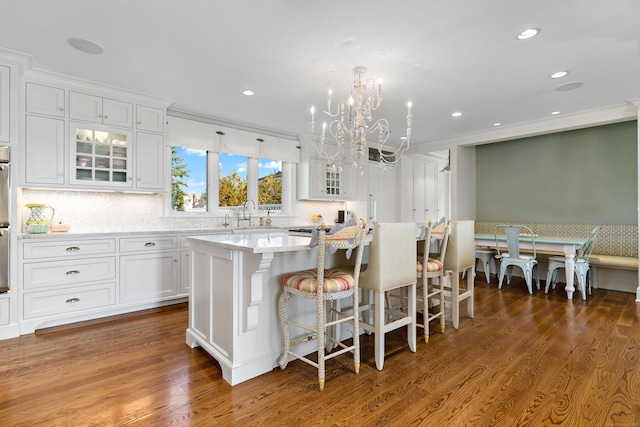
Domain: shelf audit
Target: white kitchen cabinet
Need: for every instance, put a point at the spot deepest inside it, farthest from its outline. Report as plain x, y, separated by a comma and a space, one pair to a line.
319, 180
382, 202
5, 103
100, 156
64, 279
44, 151
149, 161
95, 109
46, 100
149, 119
4, 310
151, 271
423, 190
57, 280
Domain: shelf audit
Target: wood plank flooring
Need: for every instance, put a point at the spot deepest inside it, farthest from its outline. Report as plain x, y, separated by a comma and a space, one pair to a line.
524, 360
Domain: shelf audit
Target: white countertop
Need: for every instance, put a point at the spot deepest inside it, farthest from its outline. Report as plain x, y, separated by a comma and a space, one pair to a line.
206, 231
256, 242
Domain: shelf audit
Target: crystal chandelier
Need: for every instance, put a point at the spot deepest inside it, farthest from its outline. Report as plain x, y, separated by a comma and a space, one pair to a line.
351, 122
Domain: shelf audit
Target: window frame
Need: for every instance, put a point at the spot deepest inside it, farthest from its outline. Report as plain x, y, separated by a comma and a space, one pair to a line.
213, 185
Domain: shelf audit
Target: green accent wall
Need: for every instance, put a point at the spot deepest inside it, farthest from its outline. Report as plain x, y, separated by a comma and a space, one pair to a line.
585, 176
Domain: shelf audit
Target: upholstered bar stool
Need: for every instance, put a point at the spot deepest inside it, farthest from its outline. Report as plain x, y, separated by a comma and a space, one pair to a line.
324, 285
392, 265
431, 271
460, 257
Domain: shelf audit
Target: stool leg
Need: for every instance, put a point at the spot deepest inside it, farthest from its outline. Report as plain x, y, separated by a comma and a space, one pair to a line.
283, 310
379, 328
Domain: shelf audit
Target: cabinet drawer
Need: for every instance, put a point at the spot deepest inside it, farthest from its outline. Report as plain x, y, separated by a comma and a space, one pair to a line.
51, 273
149, 243
46, 303
49, 249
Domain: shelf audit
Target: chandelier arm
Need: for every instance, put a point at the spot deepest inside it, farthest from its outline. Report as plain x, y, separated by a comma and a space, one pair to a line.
350, 132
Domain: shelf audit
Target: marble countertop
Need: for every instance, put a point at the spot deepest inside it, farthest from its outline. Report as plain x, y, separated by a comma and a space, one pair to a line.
207, 231
256, 242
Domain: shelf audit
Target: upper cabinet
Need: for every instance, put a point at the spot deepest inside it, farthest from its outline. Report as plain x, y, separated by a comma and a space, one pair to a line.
318, 179
149, 119
95, 109
5, 103
45, 100
86, 137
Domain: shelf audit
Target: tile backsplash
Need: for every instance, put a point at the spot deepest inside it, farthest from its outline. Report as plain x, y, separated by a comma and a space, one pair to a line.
95, 212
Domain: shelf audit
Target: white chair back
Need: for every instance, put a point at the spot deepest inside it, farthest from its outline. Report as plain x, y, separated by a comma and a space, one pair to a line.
461, 246
392, 257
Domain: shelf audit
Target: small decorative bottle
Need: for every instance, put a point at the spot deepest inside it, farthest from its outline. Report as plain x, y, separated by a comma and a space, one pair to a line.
268, 220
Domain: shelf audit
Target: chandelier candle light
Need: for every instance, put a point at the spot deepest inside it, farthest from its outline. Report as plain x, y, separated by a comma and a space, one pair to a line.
352, 121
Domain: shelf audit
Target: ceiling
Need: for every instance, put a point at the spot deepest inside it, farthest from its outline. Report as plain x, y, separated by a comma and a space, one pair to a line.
443, 55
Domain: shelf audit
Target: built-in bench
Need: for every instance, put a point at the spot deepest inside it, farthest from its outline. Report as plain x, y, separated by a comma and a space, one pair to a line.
616, 249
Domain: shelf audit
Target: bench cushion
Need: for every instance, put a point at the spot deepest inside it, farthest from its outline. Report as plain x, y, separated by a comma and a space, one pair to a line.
626, 262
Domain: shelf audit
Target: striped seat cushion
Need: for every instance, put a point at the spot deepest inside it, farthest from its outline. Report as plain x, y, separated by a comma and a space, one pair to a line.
307, 281
432, 265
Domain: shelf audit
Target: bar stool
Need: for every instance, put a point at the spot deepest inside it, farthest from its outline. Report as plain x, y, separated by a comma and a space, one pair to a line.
428, 269
323, 285
392, 265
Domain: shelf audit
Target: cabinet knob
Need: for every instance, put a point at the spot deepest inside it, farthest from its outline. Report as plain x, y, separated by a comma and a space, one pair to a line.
60, 108
105, 117
139, 122
130, 178
59, 173
139, 179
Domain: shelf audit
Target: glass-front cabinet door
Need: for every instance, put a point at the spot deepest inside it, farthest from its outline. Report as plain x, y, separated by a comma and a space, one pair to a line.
100, 156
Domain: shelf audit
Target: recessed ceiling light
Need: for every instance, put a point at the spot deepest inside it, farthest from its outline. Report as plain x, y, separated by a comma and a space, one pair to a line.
528, 33
497, 124
247, 92
559, 74
456, 114
86, 46
555, 112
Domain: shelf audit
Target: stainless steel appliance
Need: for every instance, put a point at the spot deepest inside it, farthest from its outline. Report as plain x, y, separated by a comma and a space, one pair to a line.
5, 215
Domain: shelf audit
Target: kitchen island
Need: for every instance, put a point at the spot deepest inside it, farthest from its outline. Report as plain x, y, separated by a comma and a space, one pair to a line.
233, 308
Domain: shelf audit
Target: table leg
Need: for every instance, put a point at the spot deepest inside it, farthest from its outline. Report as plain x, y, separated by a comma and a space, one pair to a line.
569, 264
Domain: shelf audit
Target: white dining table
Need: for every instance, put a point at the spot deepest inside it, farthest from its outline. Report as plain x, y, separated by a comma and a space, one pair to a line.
566, 245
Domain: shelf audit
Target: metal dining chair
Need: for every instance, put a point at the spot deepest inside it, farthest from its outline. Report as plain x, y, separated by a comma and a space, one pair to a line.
514, 257
581, 266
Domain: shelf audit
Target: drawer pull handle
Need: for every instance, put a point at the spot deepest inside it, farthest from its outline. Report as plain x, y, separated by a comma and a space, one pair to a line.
72, 249
72, 300
149, 244
72, 272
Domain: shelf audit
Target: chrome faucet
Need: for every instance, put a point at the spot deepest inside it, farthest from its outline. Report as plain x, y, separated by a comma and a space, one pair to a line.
226, 220
244, 210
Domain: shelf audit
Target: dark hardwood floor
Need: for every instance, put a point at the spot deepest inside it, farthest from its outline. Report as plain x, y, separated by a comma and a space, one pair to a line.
535, 360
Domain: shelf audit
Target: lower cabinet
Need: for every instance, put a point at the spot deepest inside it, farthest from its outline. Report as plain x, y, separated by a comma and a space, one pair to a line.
63, 280
4, 311
148, 276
